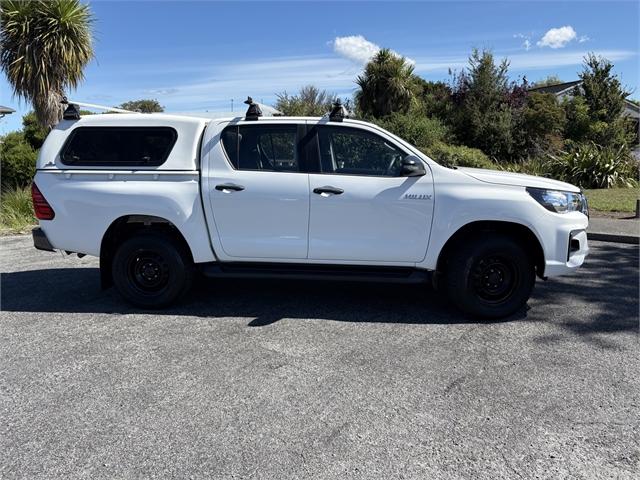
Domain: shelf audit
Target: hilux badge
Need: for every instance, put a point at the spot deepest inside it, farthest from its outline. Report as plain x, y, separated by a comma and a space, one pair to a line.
416, 196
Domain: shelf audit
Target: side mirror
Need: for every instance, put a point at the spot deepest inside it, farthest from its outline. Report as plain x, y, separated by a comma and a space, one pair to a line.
412, 166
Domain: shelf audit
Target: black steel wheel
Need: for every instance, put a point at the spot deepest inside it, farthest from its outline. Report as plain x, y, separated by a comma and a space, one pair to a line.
490, 277
150, 270
495, 278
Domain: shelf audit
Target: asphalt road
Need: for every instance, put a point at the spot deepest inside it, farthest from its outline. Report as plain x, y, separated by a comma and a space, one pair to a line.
277, 380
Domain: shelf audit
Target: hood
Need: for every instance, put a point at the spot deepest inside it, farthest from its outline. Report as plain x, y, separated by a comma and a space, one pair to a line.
517, 179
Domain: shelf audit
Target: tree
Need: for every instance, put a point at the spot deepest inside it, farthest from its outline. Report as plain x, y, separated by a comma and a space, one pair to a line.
143, 106
578, 121
387, 85
539, 124
310, 101
44, 48
549, 80
604, 99
601, 89
485, 99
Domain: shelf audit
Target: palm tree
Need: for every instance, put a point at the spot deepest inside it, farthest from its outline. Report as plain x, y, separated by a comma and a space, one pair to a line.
44, 47
387, 85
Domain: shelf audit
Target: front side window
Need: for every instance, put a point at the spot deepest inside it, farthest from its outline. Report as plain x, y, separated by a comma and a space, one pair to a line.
262, 147
119, 146
350, 151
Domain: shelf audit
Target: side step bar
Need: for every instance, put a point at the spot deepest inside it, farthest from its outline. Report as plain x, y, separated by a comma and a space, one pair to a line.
293, 271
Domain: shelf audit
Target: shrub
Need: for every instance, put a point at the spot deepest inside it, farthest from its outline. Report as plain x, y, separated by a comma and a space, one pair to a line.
34, 133
458, 155
592, 166
421, 131
16, 210
538, 166
309, 101
17, 160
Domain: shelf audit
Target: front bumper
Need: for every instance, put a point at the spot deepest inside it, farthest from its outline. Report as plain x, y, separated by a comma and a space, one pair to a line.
40, 240
570, 251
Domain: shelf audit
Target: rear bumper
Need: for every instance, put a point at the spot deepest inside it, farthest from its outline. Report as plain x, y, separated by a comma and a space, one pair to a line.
40, 240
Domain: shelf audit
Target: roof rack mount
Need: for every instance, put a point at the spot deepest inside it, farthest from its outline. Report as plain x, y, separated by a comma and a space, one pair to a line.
254, 111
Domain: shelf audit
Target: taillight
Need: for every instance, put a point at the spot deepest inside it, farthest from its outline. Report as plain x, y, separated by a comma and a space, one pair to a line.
41, 207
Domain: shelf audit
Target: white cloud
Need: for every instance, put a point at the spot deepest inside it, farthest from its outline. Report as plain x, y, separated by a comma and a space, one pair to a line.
583, 39
558, 37
162, 91
526, 44
355, 48
358, 49
522, 62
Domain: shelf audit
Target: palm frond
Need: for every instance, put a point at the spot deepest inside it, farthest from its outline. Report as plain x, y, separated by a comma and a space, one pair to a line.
44, 47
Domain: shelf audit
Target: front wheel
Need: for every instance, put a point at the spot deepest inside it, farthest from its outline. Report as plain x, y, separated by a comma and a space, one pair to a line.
491, 277
151, 271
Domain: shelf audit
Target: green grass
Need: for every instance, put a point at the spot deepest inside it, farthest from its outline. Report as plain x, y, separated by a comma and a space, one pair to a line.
16, 211
613, 199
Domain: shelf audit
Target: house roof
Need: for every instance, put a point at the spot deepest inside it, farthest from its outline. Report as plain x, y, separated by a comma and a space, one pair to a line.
4, 110
557, 88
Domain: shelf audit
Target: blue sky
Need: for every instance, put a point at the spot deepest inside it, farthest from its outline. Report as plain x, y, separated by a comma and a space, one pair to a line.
197, 56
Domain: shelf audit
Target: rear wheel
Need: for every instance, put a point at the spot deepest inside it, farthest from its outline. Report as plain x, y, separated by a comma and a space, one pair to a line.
492, 277
151, 271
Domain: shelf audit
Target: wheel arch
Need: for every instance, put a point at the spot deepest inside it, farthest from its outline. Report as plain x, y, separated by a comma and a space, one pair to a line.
521, 233
125, 227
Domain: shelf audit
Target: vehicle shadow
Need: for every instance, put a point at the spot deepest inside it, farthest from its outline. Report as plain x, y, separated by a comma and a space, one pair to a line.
77, 290
607, 286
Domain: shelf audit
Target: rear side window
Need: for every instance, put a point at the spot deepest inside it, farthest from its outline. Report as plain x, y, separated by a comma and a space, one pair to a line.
262, 147
119, 146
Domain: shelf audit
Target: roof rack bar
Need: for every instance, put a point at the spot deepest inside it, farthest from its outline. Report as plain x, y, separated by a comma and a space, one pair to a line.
99, 107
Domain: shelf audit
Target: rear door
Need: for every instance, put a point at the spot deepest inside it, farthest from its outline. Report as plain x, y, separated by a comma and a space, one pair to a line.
258, 191
362, 209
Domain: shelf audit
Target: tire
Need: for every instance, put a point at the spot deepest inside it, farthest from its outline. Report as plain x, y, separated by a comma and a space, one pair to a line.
492, 277
151, 271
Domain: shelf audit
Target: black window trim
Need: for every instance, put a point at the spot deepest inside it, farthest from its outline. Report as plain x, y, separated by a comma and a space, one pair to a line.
316, 151
301, 153
119, 164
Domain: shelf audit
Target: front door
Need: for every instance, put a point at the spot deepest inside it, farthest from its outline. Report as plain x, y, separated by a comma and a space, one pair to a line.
258, 195
361, 208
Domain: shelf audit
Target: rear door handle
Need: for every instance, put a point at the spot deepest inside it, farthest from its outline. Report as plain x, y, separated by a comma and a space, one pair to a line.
229, 186
328, 189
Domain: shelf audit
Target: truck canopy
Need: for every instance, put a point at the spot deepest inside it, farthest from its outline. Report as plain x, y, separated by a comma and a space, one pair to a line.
155, 141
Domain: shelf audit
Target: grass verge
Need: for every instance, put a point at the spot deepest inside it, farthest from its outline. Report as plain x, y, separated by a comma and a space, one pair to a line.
613, 199
16, 211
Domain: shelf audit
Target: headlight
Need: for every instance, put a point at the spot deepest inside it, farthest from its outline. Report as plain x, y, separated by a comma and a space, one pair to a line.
560, 202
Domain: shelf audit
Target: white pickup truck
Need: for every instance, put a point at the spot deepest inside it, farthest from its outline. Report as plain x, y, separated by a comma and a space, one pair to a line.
159, 197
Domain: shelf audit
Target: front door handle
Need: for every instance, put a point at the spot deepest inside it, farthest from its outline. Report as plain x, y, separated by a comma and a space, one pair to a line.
229, 186
328, 189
